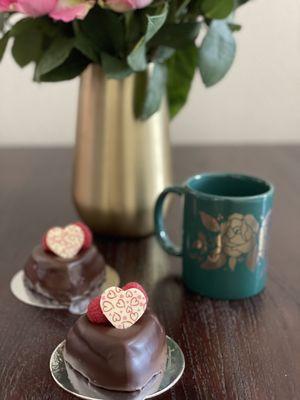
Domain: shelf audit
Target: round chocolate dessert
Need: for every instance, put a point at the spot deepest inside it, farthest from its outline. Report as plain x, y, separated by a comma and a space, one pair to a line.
64, 279
117, 359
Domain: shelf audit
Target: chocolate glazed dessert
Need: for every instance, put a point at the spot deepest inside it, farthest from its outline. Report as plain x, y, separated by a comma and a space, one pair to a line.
117, 359
64, 280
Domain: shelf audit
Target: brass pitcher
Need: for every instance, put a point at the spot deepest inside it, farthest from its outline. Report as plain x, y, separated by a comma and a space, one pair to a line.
121, 163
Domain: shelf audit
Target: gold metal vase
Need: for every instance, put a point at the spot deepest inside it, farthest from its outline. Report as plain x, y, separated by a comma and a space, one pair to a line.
121, 163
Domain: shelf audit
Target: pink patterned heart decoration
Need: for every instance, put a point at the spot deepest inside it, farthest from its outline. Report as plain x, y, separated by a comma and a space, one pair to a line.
65, 242
123, 308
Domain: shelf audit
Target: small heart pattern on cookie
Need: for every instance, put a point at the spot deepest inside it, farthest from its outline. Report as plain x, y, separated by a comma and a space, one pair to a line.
136, 285
65, 242
123, 307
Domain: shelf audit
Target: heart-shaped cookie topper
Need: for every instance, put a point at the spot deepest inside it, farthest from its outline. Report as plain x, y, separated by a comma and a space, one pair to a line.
65, 242
123, 308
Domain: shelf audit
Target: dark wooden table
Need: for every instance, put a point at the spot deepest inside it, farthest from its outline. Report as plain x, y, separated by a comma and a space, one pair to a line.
234, 349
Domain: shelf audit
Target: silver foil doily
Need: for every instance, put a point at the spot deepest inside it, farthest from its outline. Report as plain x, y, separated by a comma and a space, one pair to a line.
73, 382
28, 296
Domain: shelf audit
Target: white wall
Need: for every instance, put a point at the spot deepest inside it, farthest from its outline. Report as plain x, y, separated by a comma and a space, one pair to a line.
259, 101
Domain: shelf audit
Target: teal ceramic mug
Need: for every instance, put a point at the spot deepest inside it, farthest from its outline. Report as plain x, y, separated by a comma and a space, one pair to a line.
224, 236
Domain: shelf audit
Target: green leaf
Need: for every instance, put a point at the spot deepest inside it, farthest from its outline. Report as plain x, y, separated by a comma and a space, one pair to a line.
155, 22
149, 91
27, 47
137, 58
84, 44
134, 27
234, 27
239, 3
181, 9
3, 44
30, 36
176, 35
57, 53
42, 24
216, 53
180, 77
73, 66
114, 68
162, 54
105, 31
22, 26
218, 9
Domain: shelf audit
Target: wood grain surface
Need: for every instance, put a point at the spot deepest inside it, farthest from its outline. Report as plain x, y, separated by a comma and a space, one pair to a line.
245, 350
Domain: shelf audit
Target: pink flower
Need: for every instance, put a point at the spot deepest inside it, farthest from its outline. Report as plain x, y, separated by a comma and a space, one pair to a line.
122, 6
67, 10
6, 5
35, 8
64, 10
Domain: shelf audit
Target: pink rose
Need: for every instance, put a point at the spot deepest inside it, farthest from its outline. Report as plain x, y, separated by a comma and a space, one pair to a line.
63, 10
122, 6
6, 5
68, 10
35, 8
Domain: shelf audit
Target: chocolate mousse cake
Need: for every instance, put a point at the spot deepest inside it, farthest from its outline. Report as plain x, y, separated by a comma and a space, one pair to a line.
69, 274
119, 359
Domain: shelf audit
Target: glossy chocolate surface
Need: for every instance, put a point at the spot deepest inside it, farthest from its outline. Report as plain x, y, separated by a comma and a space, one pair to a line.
64, 280
117, 359
82, 385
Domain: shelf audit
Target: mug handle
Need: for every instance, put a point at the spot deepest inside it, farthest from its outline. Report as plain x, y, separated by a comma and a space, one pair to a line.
160, 232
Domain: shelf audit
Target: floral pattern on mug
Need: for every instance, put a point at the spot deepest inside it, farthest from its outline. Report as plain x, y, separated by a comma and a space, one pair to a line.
239, 238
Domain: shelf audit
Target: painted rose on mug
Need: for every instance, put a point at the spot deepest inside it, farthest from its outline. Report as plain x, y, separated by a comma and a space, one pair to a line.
239, 237
63, 10
239, 234
228, 241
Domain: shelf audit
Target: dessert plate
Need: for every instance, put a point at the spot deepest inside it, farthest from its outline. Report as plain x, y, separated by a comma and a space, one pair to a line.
27, 296
73, 382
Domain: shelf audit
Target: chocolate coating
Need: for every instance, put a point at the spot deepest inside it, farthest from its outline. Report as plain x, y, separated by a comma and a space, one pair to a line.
82, 385
117, 359
64, 280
